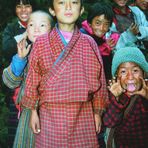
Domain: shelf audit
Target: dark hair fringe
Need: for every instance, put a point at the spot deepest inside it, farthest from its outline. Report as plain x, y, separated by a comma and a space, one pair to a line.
18, 2
98, 9
50, 3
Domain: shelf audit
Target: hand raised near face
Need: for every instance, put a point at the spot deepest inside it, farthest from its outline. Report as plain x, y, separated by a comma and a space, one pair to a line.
111, 42
115, 87
144, 90
134, 29
22, 49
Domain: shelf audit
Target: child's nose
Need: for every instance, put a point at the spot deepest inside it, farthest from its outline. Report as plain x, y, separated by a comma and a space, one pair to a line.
36, 29
68, 6
101, 27
130, 75
23, 8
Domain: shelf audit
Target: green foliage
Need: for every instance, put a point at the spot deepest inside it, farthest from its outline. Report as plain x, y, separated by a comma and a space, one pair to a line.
4, 112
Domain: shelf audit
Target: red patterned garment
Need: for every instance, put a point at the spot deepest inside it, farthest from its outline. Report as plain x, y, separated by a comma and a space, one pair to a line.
131, 131
64, 90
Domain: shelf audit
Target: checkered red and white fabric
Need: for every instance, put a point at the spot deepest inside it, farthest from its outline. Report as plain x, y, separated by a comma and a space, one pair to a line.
77, 73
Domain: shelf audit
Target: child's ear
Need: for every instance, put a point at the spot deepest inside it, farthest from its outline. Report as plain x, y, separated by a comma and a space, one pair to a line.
82, 10
51, 12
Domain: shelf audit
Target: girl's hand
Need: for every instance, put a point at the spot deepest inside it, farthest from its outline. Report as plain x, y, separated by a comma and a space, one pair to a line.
98, 122
134, 28
22, 50
115, 87
110, 42
144, 91
34, 122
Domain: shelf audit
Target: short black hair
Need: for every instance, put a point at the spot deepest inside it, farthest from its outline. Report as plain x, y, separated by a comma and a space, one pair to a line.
98, 9
51, 3
24, 2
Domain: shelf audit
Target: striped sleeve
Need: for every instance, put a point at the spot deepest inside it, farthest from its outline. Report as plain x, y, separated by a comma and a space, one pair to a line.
9, 79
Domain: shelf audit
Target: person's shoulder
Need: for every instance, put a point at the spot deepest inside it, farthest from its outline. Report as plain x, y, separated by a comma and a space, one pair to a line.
86, 37
43, 38
88, 40
83, 31
13, 23
135, 9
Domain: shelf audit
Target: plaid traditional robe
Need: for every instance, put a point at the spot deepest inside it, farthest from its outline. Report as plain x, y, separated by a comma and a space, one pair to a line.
131, 131
66, 111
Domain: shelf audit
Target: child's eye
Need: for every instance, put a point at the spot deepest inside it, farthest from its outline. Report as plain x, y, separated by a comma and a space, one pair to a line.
61, 2
107, 24
75, 2
42, 25
30, 25
135, 70
27, 6
122, 72
98, 23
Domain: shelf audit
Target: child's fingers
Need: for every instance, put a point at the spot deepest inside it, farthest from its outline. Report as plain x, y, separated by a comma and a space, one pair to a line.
144, 82
38, 130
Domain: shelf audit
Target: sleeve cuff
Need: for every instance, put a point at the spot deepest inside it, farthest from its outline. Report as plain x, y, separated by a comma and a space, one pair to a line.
122, 103
29, 103
18, 64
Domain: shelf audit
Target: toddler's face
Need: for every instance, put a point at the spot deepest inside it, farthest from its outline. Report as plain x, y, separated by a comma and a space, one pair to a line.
100, 25
130, 75
38, 24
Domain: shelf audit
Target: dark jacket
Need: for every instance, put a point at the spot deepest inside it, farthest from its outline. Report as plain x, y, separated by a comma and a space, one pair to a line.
9, 44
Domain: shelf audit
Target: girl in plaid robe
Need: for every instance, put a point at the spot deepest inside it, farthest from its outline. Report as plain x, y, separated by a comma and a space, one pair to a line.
66, 77
14, 75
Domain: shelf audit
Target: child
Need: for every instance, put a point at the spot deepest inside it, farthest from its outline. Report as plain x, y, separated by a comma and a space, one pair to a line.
10, 38
143, 5
14, 76
130, 22
99, 20
127, 112
67, 78
12, 31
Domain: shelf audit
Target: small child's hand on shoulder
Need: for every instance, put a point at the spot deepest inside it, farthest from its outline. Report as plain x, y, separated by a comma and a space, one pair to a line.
22, 50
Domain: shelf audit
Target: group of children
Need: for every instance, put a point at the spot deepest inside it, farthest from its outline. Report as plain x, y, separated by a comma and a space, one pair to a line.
62, 85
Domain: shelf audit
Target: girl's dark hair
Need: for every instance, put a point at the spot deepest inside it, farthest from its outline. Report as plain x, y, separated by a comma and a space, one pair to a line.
24, 2
98, 9
51, 3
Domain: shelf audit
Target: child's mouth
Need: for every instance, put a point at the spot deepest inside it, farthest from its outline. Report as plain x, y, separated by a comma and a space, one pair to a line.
131, 87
